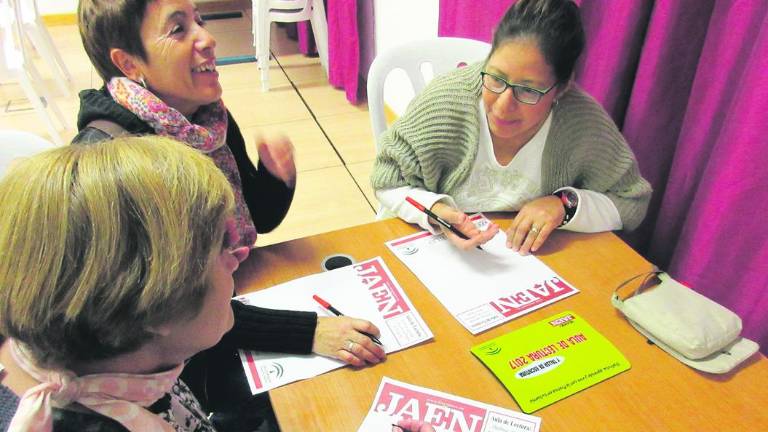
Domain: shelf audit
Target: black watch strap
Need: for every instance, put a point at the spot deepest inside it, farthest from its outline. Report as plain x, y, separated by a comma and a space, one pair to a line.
570, 201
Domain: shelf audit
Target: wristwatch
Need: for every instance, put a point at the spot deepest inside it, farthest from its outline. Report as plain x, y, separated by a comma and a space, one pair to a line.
570, 200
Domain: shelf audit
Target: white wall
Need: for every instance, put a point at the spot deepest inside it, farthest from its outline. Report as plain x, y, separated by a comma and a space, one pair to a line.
395, 22
52, 7
398, 22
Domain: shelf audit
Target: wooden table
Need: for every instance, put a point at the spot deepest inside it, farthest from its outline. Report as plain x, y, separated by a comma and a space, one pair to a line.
657, 394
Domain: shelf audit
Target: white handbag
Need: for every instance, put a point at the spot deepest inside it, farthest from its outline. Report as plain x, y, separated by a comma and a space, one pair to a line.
689, 326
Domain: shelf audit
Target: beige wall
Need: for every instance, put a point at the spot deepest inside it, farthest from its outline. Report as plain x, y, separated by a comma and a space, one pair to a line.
54, 7
398, 22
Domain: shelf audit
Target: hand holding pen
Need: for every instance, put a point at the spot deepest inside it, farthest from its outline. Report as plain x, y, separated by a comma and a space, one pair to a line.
458, 228
347, 339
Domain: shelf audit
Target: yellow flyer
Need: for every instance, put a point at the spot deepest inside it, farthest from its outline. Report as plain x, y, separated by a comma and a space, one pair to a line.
550, 360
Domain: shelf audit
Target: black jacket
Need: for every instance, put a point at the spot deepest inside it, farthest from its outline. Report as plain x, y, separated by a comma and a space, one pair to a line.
267, 197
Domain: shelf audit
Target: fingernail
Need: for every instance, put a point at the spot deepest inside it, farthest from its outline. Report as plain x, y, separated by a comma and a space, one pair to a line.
241, 253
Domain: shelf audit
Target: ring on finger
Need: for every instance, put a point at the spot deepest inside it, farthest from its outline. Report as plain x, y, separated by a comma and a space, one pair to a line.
350, 345
534, 229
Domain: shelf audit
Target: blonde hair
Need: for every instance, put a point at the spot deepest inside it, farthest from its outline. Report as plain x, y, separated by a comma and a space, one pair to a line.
99, 242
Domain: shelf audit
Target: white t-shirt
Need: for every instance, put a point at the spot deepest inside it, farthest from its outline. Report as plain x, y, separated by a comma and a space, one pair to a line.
491, 186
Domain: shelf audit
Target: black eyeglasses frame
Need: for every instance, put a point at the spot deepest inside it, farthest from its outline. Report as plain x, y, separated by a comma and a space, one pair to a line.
507, 85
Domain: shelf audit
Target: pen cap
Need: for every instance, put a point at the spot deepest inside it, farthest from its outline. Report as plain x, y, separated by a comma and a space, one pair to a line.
414, 203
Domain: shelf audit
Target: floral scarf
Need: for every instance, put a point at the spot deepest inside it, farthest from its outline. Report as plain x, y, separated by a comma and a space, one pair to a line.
122, 397
207, 133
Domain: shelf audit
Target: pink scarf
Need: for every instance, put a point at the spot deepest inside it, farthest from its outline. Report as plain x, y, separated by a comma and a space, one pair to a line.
122, 397
208, 134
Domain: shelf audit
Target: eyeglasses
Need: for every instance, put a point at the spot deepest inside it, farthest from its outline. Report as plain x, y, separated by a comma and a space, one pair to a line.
523, 94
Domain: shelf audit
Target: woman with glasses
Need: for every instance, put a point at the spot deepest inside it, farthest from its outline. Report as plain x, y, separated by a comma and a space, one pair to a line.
513, 133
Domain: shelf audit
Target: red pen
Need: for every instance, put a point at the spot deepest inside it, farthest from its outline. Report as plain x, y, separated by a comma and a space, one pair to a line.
336, 312
438, 219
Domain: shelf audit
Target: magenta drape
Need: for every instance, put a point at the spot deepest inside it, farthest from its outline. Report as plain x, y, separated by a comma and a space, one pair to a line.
306, 38
343, 47
686, 81
466, 19
711, 227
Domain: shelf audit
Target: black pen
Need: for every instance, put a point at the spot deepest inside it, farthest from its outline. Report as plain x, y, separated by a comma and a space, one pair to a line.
336, 312
439, 220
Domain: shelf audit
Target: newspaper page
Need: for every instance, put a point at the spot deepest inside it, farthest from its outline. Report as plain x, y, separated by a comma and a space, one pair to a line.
481, 288
366, 290
397, 401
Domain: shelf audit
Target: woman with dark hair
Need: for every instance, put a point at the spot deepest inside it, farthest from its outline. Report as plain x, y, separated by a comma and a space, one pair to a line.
514, 133
158, 65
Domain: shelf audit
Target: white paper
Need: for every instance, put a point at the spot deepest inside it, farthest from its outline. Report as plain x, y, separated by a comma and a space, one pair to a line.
364, 290
397, 401
481, 288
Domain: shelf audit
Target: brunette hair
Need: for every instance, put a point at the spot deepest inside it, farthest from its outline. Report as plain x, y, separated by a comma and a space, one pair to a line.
554, 24
108, 24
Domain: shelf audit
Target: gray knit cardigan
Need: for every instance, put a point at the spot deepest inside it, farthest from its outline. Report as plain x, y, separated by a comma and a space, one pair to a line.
434, 144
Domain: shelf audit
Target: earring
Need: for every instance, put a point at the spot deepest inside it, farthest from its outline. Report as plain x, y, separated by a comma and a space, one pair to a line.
555, 102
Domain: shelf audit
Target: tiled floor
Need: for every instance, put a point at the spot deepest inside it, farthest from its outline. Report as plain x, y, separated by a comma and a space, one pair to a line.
334, 145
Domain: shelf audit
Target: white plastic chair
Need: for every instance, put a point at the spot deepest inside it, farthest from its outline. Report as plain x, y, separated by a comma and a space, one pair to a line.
443, 54
267, 11
33, 27
416, 59
15, 67
18, 144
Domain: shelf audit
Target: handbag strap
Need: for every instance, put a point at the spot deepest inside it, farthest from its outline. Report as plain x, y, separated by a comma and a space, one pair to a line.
647, 276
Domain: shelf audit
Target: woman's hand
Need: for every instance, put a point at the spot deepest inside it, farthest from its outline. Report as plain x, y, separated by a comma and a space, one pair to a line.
277, 156
340, 338
411, 425
461, 221
534, 223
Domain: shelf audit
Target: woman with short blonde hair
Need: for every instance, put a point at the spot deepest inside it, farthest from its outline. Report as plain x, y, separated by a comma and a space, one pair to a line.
116, 267
98, 275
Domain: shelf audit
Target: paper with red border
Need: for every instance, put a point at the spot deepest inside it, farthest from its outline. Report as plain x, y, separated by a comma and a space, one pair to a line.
396, 401
481, 288
366, 290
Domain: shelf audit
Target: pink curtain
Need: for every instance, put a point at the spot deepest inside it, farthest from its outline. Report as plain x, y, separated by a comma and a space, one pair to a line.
343, 47
463, 18
686, 81
306, 38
